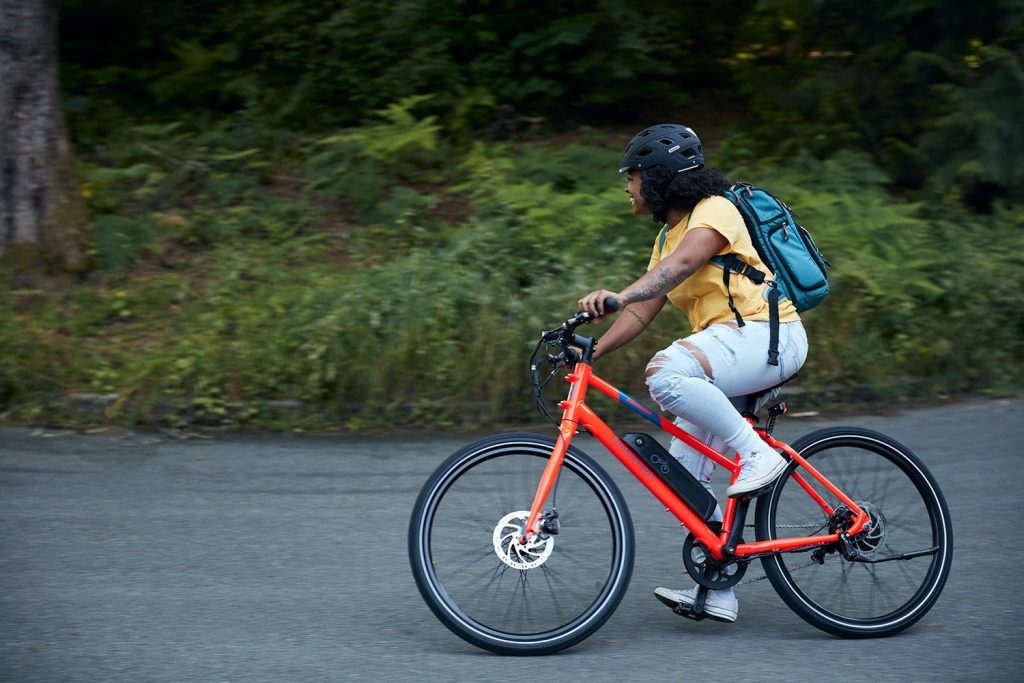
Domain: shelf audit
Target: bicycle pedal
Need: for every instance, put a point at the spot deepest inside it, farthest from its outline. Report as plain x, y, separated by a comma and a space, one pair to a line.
681, 609
687, 611
684, 611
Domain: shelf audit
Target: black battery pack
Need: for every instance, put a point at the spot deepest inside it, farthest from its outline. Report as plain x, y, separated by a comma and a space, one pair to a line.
668, 469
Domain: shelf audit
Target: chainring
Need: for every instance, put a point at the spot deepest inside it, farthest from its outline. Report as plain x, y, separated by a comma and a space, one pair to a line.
705, 569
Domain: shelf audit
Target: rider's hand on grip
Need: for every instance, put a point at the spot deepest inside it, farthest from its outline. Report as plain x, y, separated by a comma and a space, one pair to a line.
598, 303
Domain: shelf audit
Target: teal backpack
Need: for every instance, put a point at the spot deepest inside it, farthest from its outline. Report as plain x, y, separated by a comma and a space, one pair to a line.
799, 271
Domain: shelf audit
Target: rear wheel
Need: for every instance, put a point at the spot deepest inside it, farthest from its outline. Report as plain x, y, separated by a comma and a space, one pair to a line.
508, 597
909, 521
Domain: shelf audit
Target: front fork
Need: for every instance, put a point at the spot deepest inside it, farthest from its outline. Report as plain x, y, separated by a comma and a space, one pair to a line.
567, 429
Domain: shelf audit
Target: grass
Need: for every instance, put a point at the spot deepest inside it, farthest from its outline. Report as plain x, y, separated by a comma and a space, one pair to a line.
329, 288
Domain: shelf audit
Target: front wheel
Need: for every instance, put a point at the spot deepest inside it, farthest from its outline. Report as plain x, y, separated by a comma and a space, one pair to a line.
513, 598
909, 544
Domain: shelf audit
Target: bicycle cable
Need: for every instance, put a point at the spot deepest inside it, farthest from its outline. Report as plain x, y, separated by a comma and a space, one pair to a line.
539, 384
558, 338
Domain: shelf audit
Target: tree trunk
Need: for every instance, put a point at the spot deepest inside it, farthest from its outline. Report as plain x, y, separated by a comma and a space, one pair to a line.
42, 214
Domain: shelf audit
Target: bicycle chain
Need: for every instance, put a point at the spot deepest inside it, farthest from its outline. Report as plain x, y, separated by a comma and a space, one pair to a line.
794, 569
765, 576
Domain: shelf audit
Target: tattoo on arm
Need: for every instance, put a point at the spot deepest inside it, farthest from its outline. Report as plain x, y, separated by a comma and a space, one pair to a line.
657, 282
640, 320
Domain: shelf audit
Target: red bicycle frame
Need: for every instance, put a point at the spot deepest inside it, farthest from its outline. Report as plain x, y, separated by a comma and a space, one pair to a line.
577, 414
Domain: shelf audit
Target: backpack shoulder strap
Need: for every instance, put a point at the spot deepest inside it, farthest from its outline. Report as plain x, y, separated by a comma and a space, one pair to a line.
662, 237
737, 265
733, 263
773, 324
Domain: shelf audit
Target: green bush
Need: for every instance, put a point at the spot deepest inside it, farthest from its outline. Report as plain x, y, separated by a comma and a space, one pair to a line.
418, 321
119, 241
372, 166
916, 307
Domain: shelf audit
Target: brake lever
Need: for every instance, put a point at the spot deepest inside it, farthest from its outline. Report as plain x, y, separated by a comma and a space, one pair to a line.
568, 326
577, 320
551, 335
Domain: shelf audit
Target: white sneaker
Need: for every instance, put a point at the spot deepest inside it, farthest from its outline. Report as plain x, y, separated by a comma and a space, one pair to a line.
719, 605
760, 468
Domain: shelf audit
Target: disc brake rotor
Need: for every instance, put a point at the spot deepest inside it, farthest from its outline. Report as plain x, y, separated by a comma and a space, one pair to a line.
875, 534
509, 550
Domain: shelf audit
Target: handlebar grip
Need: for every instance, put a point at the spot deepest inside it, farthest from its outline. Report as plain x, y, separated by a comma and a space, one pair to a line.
611, 304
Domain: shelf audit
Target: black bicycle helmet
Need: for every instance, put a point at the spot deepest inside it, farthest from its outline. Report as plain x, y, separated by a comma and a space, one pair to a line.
671, 145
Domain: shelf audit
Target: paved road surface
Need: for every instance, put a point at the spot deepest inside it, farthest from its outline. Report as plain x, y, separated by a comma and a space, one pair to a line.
145, 557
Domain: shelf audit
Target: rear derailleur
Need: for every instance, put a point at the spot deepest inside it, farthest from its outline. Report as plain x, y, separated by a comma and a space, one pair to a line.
838, 523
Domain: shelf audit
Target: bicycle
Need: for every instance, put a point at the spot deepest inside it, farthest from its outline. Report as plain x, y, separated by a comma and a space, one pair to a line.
522, 544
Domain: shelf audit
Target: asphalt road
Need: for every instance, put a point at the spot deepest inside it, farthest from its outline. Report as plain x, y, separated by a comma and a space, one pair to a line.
150, 557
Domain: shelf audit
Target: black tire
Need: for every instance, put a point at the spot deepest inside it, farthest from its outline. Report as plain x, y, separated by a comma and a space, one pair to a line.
458, 528
857, 599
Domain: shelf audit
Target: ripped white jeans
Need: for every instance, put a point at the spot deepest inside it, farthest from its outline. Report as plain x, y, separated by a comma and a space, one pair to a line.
705, 386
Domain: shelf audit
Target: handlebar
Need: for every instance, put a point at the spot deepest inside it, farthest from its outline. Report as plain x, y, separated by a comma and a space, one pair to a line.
565, 337
611, 304
573, 348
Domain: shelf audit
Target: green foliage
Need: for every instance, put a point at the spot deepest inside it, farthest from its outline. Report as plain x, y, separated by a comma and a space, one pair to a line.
119, 241
909, 312
231, 306
309, 201
985, 106
371, 166
318, 64
195, 186
932, 91
34, 361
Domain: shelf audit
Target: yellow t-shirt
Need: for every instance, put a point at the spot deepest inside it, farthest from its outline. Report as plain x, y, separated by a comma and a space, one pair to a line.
702, 296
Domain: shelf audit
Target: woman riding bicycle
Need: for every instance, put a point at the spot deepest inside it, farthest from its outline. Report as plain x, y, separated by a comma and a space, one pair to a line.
726, 355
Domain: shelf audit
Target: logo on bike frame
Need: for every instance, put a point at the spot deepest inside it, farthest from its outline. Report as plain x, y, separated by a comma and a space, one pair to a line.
639, 408
660, 463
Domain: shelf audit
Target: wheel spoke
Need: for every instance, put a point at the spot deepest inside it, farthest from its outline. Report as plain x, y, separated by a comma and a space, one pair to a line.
907, 515
503, 595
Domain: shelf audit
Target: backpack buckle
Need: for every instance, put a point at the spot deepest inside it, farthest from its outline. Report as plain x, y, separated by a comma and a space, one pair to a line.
753, 274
